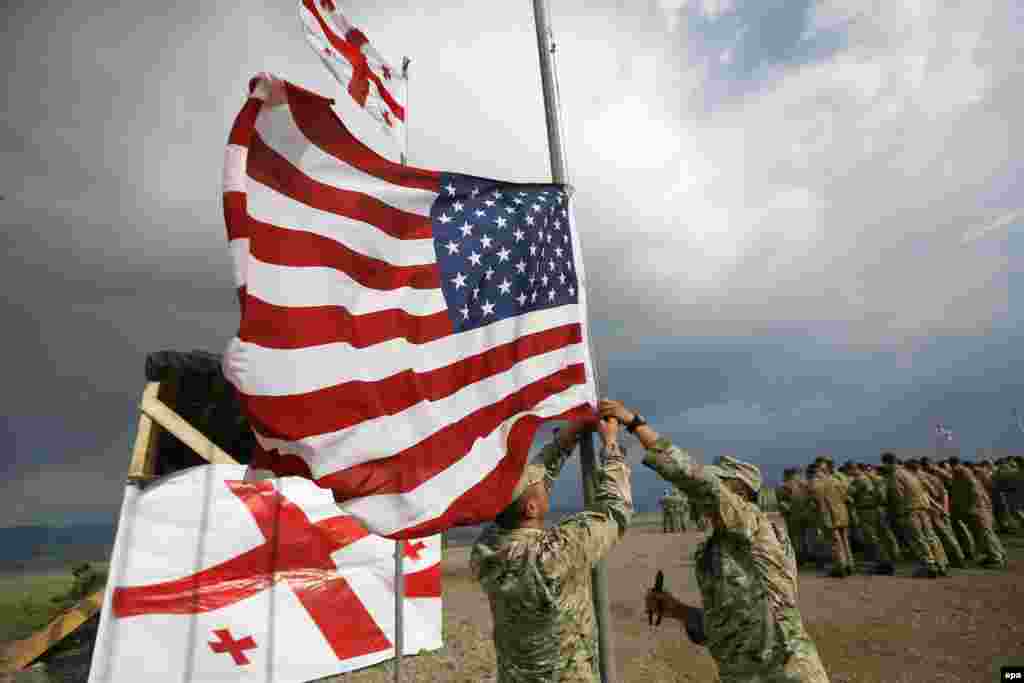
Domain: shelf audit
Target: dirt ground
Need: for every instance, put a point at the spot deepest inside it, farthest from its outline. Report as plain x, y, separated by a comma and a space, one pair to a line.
869, 629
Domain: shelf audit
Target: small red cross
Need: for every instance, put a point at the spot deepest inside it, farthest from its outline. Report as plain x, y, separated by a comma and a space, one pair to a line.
413, 551
233, 647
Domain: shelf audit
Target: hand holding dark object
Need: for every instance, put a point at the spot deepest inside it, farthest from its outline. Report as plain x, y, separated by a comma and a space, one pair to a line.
653, 605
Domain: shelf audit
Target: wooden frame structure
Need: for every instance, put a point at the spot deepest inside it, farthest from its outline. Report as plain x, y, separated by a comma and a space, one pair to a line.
155, 413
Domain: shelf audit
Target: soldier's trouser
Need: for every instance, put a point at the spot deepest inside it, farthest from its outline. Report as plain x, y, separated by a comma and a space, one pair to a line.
666, 521
796, 537
803, 666
944, 530
963, 534
878, 535
842, 556
922, 540
683, 514
989, 547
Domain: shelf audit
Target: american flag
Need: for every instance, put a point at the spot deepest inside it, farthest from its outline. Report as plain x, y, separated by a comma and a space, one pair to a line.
404, 332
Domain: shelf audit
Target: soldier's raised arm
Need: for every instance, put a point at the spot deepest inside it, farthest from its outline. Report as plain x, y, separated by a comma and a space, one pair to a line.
701, 482
585, 538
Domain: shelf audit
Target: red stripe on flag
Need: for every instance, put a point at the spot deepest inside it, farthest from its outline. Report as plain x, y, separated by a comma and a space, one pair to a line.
413, 467
298, 248
322, 127
273, 170
242, 128
235, 217
280, 327
492, 494
341, 406
246, 575
425, 583
281, 464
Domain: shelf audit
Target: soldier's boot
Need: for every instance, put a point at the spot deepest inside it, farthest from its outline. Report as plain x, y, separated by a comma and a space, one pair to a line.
926, 573
885, 569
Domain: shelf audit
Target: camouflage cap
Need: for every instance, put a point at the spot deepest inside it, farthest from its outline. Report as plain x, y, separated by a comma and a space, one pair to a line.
534, 473
737, 469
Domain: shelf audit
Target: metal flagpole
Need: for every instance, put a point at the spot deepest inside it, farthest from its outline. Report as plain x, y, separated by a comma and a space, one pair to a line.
559, 174
400, 545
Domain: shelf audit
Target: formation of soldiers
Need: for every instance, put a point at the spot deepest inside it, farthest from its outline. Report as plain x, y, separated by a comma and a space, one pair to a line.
942, 514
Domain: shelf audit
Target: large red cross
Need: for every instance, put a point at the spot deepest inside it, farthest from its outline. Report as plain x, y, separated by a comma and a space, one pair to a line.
303, 561
351, 48
235, 648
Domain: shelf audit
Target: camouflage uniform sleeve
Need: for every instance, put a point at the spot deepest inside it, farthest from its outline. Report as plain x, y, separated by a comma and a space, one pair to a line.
701, 483
585, 538
553, 457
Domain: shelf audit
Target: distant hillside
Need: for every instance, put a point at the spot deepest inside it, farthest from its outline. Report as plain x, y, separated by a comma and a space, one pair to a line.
44, 547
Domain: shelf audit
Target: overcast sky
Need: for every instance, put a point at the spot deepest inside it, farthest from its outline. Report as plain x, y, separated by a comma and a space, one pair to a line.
801, 220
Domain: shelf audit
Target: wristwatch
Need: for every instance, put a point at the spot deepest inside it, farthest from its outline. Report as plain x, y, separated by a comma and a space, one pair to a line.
637, 421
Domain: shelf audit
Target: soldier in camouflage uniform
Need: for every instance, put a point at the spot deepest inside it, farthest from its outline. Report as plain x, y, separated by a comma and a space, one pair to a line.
830, 497
970, 493
791, 497
939, 512
667, 518
746, 570
877, 534
684, 509
537, 580
910, 502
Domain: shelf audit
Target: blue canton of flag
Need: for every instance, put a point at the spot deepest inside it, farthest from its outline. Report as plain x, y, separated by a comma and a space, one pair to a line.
503, 249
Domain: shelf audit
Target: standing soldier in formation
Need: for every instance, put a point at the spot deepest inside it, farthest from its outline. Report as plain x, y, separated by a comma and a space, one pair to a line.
939, 513
910, 502
877, 534
963, 536
683, 509
746, 569
791, 497
537, 580
970, 493
829, 496
667, 516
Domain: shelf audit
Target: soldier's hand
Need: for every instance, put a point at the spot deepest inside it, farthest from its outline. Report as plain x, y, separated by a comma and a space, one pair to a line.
609, 429
660, 603
609, 408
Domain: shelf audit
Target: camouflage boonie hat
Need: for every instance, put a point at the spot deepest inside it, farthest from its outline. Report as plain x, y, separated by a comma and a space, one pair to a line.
533, 474
737, 469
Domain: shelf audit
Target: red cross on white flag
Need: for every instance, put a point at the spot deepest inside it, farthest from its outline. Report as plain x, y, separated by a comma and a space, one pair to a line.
214, 577
374, 84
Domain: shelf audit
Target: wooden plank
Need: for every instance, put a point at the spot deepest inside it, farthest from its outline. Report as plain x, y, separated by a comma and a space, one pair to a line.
162, 414
143, 463
19, 654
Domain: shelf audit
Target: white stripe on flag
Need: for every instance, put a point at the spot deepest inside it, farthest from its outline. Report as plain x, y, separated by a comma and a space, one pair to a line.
240, 258
278, 129
269, 206
389, 513
285, 372
234, 168
308, 286
337, 451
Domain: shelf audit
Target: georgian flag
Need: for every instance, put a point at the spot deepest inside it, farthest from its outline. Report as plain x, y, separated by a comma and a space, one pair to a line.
373, 82
216, 578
